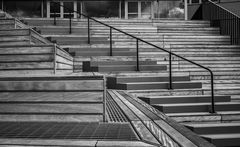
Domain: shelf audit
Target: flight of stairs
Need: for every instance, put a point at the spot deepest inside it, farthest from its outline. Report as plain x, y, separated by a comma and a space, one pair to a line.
42, 102
23, 50
189, 101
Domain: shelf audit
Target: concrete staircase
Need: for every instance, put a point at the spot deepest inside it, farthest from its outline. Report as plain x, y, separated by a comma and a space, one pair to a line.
42, 102
52, 98
221, 134
189, 100
23, 50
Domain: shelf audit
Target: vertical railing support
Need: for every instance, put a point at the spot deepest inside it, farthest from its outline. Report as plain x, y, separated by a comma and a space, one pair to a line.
111, 52
170, 71
137, 51
55, 59
212, 93
88, 31
70, 23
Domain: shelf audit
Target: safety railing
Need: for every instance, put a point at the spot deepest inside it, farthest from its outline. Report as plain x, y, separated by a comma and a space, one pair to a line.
170, 54
228, 22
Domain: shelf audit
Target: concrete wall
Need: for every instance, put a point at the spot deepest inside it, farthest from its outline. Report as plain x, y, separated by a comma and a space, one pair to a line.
192, 9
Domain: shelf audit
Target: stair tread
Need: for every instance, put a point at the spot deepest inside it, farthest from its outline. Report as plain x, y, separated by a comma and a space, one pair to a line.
209, 125
182, 96
222, 136
136, 83
198, 104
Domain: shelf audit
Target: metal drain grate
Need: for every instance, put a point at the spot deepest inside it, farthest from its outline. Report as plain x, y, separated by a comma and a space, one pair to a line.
114, 112
60, 130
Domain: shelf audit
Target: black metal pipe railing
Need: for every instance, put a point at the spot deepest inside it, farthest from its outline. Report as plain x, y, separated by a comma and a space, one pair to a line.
88, 30
70, 23
111, 52
155, 46
137, 51
228, 22
170, 71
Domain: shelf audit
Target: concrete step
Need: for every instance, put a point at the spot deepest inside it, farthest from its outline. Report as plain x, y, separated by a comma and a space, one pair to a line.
103, 53
48, 108
97, 63
160, 43
160, 34
13, 38
14, 32
26, 58
214, 128
50, 97
49, 83
2, 15
158, 85
26, 65
197, 107
7, 26
150, 79
180, 39
112, 68
223, 140
180, 21
205, 117
113, 81
26, 49
62, 30
95, 49
167, 92
183, 99
14, 43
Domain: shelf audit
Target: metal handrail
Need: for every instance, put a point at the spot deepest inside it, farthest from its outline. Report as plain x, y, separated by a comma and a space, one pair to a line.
153, 45
227, 21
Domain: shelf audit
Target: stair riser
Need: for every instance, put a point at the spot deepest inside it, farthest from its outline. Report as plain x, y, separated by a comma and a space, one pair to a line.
158, 86
183, 109
51, 97
14, 32
26, 50
81, 42
106, 53
131, 68
224, 142
25, 58
7, 26
151, 79
216, 130
26, 65
49, 85
83, 108
24, 42
185, 100
97, 49
121, 63
51, 118
198, 108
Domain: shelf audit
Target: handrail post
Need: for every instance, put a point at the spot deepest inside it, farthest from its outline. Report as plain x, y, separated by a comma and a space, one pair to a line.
111, 52
212, 94
70, 23
137, 47
88, 31
170, 70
